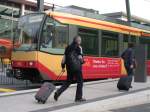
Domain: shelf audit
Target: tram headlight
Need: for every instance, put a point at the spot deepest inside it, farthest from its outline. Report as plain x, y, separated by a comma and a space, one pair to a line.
31, 63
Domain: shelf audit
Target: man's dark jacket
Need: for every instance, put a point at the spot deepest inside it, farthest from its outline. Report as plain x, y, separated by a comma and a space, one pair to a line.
128, 57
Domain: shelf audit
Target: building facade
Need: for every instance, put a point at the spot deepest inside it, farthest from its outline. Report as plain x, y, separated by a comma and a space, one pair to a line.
11, 10
135, 20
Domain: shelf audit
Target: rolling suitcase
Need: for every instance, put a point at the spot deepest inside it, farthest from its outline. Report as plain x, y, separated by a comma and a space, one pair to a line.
45, 91
124, 83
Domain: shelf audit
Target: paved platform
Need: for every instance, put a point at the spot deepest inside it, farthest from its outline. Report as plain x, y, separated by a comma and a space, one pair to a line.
93, 91
138, 108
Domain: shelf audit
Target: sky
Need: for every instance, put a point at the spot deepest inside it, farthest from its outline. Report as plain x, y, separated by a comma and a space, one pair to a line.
139, 8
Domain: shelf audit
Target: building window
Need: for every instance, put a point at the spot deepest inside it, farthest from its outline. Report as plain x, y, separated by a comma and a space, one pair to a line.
89, 41
109, 44
7, 28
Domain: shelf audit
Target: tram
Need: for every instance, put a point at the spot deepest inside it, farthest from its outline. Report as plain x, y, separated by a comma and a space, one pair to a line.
5, 50
44, 36
6, 47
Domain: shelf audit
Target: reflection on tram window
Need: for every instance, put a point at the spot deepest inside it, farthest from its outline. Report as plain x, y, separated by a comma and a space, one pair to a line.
126, 40
54, 37
27, 33
109, 44
89, 41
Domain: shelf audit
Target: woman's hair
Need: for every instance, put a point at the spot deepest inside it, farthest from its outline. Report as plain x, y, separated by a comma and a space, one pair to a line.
75, 38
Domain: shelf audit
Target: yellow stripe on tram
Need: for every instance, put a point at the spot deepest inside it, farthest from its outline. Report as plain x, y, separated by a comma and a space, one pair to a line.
6, 90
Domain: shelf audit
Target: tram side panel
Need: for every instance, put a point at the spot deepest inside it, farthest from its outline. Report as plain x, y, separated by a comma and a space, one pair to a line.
49, 66
148, 67
94, 68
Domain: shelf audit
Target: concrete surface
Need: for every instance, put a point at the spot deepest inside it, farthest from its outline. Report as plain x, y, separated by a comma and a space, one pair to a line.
95, 93
138, 108
108, 104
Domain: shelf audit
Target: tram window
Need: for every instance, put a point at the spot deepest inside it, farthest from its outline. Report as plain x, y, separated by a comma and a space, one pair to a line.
89, 41
133, 39
126, 40
109, 44
147, 42
54, 37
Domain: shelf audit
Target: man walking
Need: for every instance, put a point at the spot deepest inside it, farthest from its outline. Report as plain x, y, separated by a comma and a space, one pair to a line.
73, 60
129, 59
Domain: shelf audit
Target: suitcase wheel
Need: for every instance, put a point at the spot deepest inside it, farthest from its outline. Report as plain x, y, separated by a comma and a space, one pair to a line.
40, 101
123, 89
43, 102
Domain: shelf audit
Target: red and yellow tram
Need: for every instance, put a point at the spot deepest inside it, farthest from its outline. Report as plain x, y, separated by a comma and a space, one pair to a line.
44, 36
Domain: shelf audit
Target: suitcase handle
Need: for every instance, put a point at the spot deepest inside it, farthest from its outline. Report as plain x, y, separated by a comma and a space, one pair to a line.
59, 76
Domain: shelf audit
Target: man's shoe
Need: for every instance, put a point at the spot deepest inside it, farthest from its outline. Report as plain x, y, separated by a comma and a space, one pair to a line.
80, 100
131, 87
56, 96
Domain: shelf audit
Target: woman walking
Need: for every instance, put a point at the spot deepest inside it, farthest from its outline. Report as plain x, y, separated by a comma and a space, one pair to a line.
72, 60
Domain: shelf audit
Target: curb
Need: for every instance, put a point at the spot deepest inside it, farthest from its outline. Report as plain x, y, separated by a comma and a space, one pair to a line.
18, 92
6, 90
35, 90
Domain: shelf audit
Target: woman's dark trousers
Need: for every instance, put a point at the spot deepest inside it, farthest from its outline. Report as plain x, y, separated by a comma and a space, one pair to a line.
70, 78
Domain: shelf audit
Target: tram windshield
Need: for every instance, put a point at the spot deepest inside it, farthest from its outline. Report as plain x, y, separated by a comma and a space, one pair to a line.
26, 33
54, 36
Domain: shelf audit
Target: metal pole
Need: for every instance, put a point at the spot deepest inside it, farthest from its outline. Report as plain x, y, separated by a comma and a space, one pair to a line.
12, 15
22, 9
40, 5
128, 11
128, 16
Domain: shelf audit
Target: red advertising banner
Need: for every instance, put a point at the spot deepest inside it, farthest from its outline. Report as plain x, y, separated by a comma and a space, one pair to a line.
102, 66
148, 67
